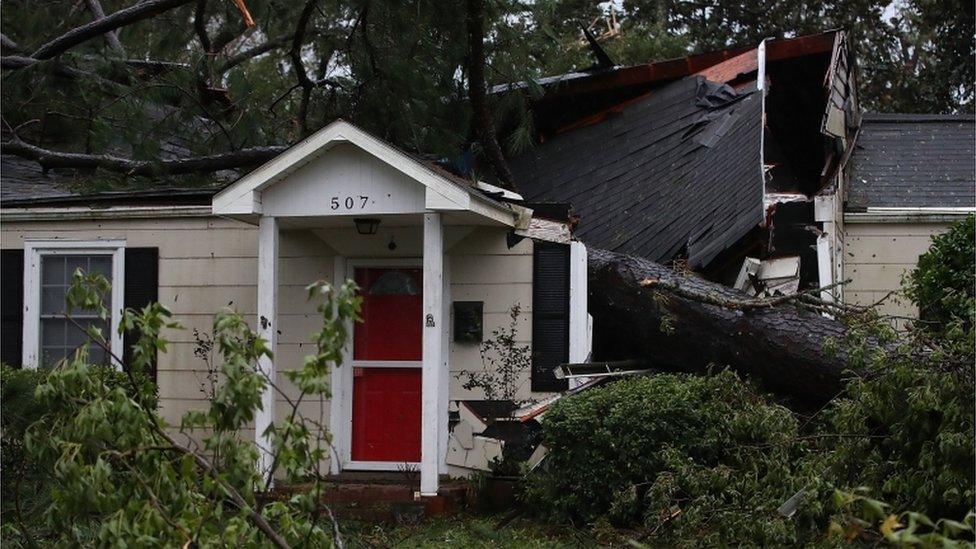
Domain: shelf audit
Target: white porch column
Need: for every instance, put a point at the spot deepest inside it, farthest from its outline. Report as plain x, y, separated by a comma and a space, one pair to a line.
432, 389
267, 329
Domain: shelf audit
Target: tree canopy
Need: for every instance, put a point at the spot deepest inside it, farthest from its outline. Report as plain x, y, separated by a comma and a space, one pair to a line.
227, 84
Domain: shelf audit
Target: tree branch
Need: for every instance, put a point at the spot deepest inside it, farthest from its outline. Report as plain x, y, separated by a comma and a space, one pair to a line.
476, 91
196, 164
296, 45
111, 37
200, 26
8, 44
121, 18
245, 55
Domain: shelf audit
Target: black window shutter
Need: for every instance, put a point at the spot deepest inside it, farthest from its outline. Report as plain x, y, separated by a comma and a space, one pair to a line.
141, 289
12, 307
550, 314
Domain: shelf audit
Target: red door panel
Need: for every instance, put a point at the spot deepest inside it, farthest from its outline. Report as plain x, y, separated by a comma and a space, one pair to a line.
386, 400
386, 414
392, 314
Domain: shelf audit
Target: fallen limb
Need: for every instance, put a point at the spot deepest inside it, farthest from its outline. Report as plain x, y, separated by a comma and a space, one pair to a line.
197, 164
682, 322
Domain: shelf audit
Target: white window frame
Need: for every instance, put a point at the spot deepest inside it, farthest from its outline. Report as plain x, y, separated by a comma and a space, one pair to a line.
34, 250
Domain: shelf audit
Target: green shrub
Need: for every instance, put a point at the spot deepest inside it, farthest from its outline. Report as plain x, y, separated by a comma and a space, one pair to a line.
698, 460
944, 282
25, 482
906, 432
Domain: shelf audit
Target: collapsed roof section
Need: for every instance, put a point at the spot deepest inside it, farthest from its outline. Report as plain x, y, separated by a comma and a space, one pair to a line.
677, 173
614, 144
914, 161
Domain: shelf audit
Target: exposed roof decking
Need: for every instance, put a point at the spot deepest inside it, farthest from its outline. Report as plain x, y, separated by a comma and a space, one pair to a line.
914, 161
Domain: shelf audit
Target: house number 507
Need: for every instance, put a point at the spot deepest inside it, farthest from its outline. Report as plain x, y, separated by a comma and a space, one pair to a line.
349, 202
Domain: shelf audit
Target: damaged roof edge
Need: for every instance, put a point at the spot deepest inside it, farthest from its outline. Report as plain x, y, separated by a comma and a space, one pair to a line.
671, 69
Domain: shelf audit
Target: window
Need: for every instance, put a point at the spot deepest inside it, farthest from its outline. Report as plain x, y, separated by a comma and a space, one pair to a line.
49, 266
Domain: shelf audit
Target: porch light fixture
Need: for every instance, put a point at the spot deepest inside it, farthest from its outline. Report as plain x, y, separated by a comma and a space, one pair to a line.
366, 225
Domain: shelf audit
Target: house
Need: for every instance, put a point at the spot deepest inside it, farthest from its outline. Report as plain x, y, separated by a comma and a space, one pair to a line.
422, 244
911, 176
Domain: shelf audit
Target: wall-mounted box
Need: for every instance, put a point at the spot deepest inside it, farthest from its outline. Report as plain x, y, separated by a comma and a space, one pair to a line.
468, 321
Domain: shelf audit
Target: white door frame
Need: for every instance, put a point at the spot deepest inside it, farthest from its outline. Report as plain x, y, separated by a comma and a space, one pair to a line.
342, 377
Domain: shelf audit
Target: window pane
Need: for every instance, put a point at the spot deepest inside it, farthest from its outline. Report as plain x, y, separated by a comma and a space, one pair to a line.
97, 355
77, 337
52, 270
73, 263
51, 356
394, 283
101, 264
60, 338
52, 341
52, 300
53, 332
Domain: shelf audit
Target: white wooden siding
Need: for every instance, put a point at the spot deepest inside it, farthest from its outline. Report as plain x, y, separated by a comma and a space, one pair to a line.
877, 256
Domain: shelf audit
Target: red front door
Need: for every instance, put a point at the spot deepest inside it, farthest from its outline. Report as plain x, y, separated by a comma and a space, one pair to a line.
385, 396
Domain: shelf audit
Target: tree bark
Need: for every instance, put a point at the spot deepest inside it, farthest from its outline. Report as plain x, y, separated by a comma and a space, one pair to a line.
681, 322
476, 91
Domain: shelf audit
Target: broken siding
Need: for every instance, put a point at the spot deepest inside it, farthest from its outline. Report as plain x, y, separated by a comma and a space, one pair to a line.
674, 174
842, 110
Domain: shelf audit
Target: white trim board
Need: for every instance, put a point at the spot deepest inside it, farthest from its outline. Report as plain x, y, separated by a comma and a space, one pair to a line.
75, 213
382, 466
33, 251
908, 215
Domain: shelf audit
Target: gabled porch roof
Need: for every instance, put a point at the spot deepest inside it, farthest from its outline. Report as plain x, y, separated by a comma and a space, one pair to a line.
435, 190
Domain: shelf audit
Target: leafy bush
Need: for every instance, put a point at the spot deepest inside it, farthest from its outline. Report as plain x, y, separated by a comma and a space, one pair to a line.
25, 482
865, 519
691, 458
113, 472
907, 432
944, 282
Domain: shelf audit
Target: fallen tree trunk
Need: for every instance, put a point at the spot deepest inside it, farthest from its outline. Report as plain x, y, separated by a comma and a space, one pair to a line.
682, 322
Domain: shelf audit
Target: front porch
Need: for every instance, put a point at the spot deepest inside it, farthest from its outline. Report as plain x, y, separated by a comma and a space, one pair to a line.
374, 209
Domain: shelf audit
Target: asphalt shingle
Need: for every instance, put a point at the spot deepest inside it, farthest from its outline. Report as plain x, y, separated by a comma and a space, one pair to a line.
914, 160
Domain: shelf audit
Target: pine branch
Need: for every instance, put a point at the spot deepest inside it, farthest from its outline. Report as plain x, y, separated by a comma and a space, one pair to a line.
78, 35
197, 164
